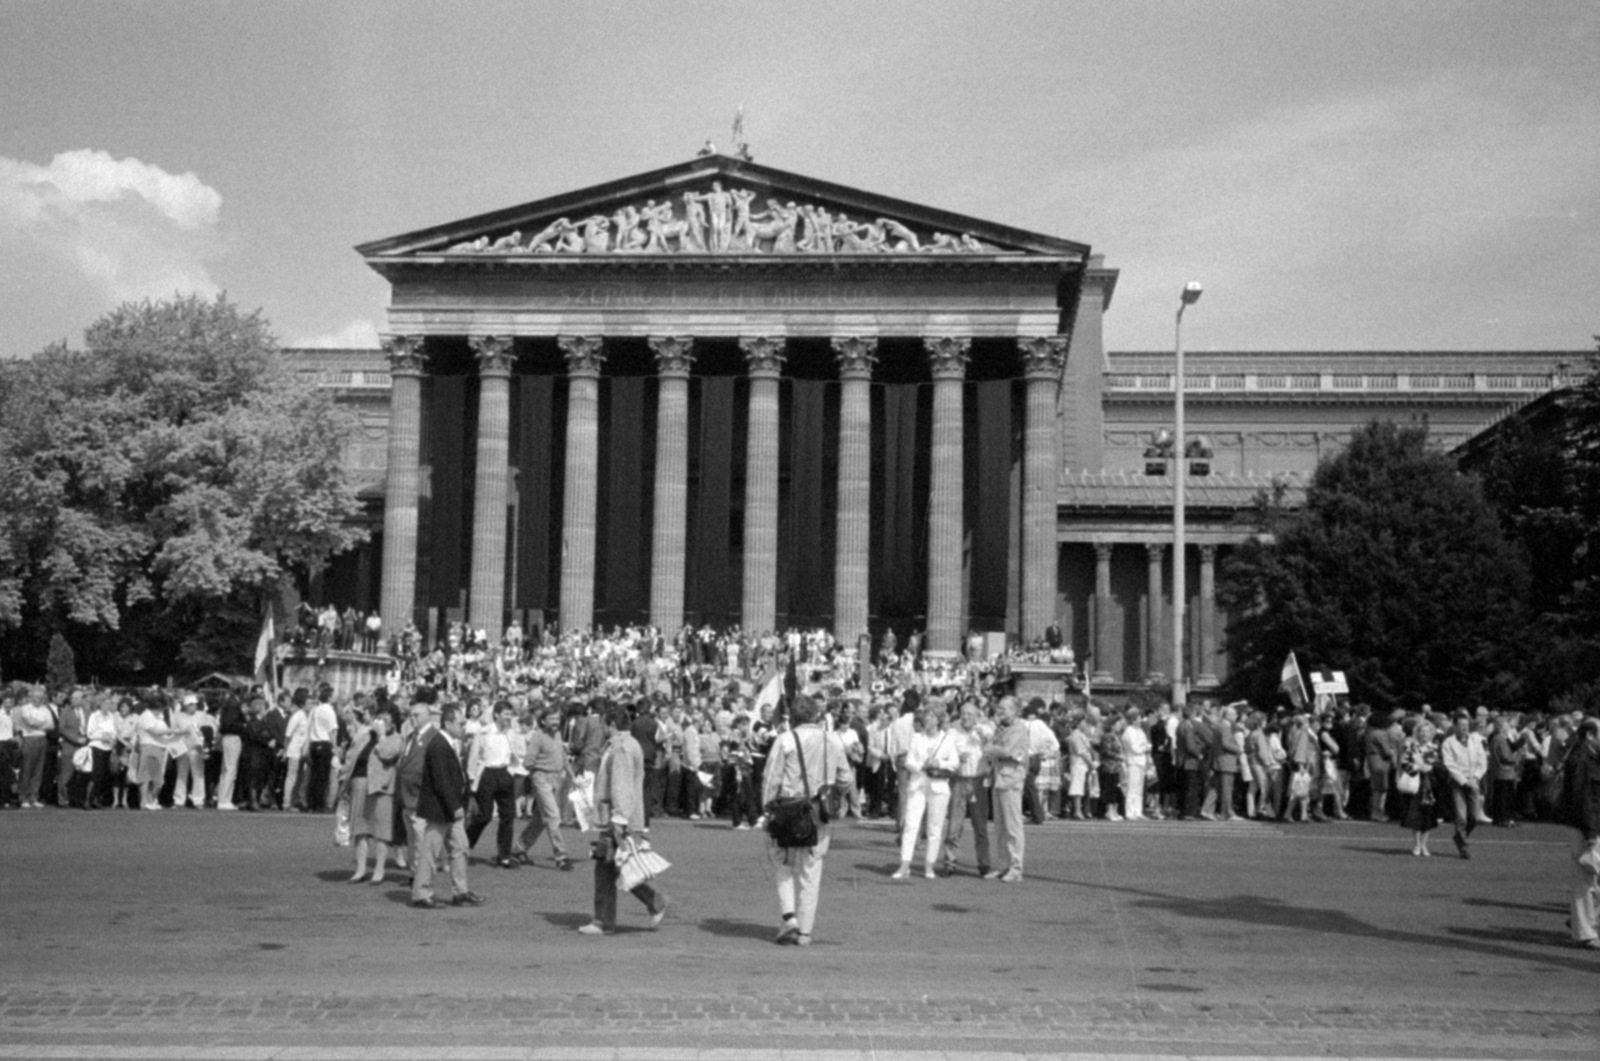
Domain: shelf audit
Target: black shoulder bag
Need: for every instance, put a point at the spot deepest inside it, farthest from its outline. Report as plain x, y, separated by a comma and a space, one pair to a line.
793, 821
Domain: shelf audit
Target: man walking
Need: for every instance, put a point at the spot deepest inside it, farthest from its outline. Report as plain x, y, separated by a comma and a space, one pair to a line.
441, 817
807, 762
547, 762
1466, 760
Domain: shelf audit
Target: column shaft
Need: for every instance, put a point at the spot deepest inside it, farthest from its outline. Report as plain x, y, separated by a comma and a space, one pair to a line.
1156, 613
945, 497
578, 500
398, 594
1207, 669
1043, 359
1102, 611
670, 535
854, 518
764, 354
491, 484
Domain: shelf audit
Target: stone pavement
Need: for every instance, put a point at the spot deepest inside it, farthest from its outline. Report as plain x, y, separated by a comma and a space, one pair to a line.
181, 933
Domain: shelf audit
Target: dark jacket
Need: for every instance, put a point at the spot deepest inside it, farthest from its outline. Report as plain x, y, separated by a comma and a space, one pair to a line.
1583, 795
444, 783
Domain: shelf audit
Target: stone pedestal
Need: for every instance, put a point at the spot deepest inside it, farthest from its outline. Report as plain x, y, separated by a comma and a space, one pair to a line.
669, 537
490, 484
948, 359
853, 528
585, 355
399, 589
764, 355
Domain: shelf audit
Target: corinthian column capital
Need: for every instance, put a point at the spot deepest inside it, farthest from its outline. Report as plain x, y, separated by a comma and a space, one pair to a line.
674, 354
584, 353
1043, 357
493, 353
947, 356
763, 354
856, 355
404, 353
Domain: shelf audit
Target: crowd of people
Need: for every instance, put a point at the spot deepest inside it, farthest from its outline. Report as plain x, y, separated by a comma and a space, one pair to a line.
539, 736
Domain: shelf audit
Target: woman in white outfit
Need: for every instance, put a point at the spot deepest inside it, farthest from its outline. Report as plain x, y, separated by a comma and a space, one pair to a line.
1136, 764
931, 761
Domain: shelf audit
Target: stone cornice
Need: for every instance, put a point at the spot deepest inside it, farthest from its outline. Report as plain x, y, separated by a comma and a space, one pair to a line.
829, 266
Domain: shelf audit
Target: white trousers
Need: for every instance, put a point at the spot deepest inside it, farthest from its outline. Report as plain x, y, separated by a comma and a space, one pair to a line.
922, 803
231, 747
800, 880
1585, 889
191, 783
1133, 792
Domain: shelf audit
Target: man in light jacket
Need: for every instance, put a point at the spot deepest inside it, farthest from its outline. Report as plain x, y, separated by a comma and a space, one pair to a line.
826, 769
1466, 760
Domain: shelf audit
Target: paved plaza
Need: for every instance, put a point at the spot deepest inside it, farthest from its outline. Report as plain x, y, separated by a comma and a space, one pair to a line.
196, 934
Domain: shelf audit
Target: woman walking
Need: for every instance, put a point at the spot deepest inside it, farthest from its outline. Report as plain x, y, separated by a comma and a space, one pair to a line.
1416, 783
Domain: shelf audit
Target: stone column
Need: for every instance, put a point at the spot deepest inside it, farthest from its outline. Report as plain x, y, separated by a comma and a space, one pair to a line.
670, 537
398, 595
759, 609
856, 357
1042, 361
585, 355
948, 360
488, 596
1155, 626
1102, 611
1208, 616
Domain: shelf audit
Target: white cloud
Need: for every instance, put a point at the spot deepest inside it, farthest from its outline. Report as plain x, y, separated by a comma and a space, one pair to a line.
121, 228
358, 334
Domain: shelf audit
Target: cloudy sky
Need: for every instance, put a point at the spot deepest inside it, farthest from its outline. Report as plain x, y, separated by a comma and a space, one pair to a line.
1341, 176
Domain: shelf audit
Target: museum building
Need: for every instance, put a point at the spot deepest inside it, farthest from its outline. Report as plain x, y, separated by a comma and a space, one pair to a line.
720, 393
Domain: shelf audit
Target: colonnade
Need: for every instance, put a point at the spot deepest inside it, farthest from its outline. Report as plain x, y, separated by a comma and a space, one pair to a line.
1156, 634
1042, 360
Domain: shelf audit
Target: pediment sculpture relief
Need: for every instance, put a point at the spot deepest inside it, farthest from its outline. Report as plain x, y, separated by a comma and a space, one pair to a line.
723, 221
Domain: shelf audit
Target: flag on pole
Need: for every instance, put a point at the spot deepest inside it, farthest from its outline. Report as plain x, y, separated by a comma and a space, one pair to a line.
267, 657
771, 694
1291, 682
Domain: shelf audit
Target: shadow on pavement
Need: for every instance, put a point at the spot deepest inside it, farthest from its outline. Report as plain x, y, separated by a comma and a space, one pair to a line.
1377, 850
1538, 908
1536, 937
1260, 910
722, 926
333, 876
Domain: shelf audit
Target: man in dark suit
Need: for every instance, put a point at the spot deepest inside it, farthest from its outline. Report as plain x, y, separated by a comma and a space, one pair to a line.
441, 816
72, 728
408, 771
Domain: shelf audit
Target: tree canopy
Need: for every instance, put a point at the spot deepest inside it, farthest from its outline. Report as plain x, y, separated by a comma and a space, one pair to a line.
1395, 571
174, 464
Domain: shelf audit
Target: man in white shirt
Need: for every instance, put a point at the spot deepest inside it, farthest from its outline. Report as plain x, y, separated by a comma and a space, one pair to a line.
322, 726
969, 796
295, 730
1466, 760
489, 776
896, 743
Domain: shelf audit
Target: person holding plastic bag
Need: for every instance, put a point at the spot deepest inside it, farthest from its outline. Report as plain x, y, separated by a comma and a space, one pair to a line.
619, 812
808, 763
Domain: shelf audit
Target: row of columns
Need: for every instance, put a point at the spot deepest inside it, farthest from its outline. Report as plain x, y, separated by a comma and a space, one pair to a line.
1156, 630
1042, 358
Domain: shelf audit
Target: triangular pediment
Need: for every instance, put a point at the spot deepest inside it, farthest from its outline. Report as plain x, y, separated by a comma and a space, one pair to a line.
717, 205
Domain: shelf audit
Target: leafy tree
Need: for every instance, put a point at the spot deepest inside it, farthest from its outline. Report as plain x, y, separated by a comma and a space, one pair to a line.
1394, 570
177, 462
1542, 474
62, 672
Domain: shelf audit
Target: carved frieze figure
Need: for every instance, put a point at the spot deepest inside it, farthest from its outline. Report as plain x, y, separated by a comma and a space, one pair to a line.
721, 221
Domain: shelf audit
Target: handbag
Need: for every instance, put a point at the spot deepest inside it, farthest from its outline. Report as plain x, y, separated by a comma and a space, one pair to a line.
1300, 785
1408, 783
83, 759
637, 862
341, 824
793, 821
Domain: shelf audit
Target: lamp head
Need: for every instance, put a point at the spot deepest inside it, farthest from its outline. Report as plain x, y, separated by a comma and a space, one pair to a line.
1191, 292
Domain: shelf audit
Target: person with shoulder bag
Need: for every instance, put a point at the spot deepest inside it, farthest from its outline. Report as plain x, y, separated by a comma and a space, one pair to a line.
806, 769
1581, 805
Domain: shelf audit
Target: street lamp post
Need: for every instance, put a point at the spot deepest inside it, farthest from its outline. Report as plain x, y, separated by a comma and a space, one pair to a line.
1190, 295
